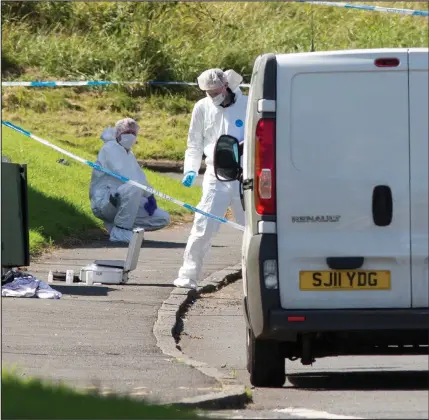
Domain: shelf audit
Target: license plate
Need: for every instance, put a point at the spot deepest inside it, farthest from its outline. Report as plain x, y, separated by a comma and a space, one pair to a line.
344, 280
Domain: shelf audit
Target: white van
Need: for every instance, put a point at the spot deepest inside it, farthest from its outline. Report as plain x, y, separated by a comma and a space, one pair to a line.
335, 186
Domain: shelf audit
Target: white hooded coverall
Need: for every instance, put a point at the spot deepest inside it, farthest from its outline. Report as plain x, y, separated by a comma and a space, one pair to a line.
208, 123
129, 212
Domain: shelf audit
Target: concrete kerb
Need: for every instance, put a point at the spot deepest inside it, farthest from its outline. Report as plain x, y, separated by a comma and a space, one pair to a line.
169, 326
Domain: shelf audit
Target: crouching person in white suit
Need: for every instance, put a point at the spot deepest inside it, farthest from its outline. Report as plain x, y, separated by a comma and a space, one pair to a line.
121, 206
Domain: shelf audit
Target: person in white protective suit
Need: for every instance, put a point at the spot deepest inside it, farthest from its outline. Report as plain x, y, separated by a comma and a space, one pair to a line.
122, 206
222, 111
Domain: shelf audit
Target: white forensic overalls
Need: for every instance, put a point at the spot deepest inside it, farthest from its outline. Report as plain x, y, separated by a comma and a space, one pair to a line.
129, 212
208, 123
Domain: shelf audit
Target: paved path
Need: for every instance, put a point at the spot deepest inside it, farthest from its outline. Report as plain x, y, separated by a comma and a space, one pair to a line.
344, 387
102, 335
179, 176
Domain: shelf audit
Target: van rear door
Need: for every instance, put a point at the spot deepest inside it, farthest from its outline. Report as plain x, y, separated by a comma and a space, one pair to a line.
343, 206
419, 135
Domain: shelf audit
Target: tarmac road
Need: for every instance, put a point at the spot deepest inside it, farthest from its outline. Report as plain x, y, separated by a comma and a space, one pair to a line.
344, 387
179, 176
103, 335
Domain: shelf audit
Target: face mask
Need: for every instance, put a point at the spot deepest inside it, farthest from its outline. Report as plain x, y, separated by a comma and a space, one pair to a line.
127, 140
217, 100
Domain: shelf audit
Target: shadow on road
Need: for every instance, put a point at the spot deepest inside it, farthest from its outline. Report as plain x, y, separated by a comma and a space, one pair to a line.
170, 285
84, 290
369, 380
147, 243
162, 244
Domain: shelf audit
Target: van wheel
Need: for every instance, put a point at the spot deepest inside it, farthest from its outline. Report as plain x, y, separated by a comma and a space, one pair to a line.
265, 362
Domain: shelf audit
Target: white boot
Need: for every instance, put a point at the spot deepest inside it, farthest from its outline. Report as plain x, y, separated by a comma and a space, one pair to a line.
185, 283
120, 235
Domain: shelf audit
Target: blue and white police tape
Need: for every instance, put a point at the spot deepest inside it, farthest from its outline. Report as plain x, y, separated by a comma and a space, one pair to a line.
122, 178
88, 83
97, 83
410, 12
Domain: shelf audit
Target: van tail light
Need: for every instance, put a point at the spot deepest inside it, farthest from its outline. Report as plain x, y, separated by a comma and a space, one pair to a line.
265, 167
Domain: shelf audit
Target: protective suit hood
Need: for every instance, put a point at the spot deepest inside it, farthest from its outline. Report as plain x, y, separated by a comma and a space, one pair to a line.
109, 134
234, 79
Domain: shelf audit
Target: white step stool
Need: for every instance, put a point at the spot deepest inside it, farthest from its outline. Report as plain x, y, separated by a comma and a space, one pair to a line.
115, 271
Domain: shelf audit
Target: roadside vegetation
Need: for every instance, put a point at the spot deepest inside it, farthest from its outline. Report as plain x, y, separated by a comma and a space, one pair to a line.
32, 398
143, 41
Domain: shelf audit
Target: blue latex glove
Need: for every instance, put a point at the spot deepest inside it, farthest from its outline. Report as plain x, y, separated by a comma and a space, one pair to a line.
150, 205
188, 179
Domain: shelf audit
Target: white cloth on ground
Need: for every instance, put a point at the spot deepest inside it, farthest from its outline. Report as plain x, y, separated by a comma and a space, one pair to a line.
29, 286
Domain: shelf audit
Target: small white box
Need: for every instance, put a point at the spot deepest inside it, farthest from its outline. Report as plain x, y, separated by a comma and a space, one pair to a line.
69, 276
99, 274
89, 278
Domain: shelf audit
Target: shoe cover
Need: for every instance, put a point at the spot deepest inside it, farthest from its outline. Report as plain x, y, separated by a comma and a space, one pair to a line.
120, 235
185, 283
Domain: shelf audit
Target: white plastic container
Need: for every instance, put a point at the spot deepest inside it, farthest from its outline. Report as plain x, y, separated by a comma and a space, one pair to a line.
104, 275
89, 278
69, 276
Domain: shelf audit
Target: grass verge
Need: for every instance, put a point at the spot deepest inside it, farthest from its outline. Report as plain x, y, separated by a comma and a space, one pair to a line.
172, 41
77, 117
34, 399
59, 205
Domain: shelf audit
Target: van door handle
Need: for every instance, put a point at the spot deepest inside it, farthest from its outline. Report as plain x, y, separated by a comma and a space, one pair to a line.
382, 205
345, 263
